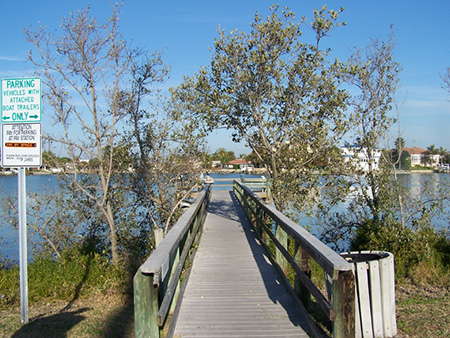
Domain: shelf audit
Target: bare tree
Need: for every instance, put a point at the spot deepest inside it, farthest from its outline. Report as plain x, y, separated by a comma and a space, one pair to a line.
376, 76
446, 79
161, 149
82, 66
166, 162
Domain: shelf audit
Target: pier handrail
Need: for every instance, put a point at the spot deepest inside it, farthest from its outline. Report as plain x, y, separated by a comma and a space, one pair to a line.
157, 281
275, 229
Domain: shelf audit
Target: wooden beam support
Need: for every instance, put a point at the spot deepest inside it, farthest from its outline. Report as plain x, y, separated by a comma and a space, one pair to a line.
303, 260
146, 304
344, 304
282, 238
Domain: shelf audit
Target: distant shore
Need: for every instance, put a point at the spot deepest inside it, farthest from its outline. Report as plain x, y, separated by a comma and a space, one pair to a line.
255, 171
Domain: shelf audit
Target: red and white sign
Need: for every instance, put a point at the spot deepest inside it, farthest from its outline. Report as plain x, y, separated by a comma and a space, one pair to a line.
21, 145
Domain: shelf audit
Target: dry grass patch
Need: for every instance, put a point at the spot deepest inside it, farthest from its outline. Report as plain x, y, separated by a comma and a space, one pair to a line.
423, 311
96, 316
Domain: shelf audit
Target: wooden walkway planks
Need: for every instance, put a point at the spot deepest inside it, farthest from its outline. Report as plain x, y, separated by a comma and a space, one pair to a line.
233, 290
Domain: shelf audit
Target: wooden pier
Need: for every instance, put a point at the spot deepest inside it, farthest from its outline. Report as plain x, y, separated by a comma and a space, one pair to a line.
221, 271
233, 289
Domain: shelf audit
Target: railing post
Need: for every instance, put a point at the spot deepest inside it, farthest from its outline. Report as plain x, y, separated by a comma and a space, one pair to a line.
268, 227
268, 190
175, 263
146, 306
261, 217
282, 237
344, 304
303, 260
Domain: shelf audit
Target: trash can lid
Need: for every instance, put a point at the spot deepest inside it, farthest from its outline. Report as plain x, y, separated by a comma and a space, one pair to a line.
364, 256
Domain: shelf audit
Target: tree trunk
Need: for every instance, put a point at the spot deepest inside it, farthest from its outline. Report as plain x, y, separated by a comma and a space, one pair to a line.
112, 234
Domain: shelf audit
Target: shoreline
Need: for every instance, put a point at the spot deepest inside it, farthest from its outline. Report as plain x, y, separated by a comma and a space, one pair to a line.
255, 171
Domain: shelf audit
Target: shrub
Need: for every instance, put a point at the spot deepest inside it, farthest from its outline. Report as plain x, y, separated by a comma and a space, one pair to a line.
422, 248
76, 275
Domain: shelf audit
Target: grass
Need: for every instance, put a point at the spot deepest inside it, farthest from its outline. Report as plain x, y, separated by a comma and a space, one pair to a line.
423, 312
81, 295
75, 275
96, 316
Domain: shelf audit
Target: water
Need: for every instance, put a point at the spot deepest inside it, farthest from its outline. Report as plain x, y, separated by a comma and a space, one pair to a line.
424, 189
437, 187
9, 247
227, 179
9, 236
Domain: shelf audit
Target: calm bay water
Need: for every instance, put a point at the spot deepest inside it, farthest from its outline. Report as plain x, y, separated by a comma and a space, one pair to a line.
9, 236
435, 185
9, 247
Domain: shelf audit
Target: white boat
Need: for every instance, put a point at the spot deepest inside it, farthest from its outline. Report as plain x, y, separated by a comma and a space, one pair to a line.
209, 180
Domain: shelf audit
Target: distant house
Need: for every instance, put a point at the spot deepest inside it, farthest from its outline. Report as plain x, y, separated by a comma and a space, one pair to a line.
242, 164
432, 160
416, 155
419, 156
360, 158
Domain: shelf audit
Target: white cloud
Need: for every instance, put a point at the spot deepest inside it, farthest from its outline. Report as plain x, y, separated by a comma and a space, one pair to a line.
11, 58
425, 99
12, 74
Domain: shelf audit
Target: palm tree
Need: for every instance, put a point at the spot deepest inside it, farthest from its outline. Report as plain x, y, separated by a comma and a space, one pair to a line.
444, 153
431, 151
223, 156
399, 144
397, 153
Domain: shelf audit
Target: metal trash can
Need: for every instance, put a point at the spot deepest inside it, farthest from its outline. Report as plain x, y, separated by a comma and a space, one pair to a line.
375, 293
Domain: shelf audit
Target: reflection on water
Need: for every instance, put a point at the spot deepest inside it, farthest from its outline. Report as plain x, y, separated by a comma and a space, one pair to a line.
225, 181
422, 189
417, 182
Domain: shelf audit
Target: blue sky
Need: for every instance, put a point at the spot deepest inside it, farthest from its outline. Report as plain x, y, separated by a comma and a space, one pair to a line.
183, 31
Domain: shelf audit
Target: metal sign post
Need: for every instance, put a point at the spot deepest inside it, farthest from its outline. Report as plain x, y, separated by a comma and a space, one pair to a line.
21, 148
22, 193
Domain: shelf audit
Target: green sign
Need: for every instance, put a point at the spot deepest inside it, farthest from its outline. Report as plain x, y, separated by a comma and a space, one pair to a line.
21, 100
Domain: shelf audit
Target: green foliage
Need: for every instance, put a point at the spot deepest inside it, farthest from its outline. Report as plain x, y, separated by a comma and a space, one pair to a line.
254, 159
278, 92
412, 248
404, 162
77, 274
223, 156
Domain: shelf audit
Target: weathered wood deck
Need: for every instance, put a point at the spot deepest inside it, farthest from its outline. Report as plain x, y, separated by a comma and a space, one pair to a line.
233, 290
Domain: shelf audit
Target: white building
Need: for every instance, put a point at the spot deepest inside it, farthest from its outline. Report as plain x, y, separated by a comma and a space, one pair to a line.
360, 157
416, 155
419, 156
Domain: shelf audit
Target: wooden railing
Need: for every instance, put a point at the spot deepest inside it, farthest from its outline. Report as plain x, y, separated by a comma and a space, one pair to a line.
157, 282
258, 185
294, 247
